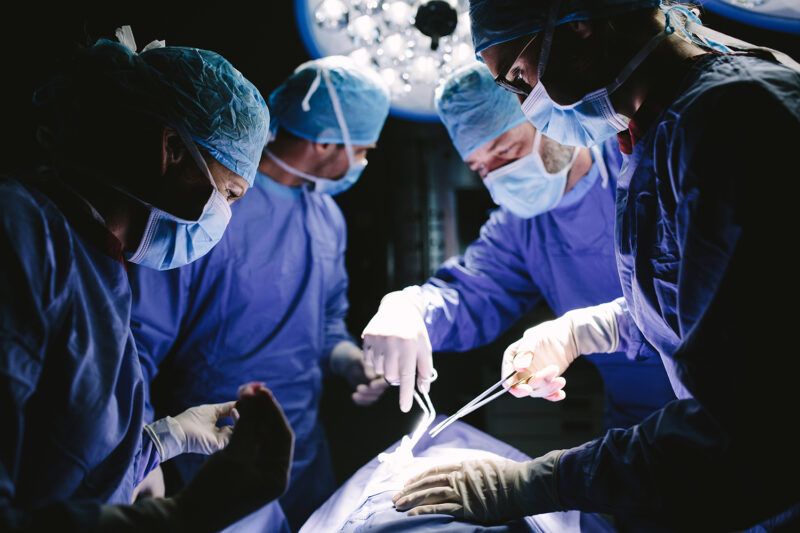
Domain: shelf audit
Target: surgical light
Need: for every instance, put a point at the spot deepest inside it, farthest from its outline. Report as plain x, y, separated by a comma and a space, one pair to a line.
413, 44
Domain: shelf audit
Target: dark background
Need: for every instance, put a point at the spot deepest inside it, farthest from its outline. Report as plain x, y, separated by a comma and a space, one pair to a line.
415, 205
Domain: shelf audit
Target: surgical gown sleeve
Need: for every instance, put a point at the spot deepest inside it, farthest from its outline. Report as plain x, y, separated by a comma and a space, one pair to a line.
158, 307
336, 303
729, 458
475, 297
29, 290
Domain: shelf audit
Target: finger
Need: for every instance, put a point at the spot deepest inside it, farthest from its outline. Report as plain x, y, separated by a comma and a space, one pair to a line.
432, 472
453, 509
235, 415
424, 366
522, 390
369, 357
407, 365
223, 436
557, 396
427, 497
222, 410
522, 360
369, 371
546, 374
391, 366
549, 388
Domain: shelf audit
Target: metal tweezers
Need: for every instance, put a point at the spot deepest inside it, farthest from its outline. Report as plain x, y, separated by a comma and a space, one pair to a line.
479, 401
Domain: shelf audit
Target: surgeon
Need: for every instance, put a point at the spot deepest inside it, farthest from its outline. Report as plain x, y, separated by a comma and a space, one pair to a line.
708, 127
270, 301
551, 240
143, 159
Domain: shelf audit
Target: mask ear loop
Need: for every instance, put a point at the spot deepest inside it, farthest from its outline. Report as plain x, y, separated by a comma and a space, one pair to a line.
337, 109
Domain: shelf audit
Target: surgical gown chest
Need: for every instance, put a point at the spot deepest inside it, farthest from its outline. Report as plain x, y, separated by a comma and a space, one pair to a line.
670, 167
70, 377
266, 304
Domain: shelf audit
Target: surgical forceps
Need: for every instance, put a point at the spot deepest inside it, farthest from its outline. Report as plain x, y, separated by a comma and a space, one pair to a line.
479, 401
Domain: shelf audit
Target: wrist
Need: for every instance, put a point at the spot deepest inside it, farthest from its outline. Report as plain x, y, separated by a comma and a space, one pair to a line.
595, 329
168, 437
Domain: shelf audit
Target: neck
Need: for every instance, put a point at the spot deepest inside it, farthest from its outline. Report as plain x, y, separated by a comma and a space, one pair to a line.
269, 168
124, 217
664, 62
581, 167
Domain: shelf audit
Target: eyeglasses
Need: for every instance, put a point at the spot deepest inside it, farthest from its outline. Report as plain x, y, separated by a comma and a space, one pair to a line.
513, 86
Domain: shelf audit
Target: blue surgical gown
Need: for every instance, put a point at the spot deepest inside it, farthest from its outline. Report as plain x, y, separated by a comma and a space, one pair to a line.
564, 257
268, 303
71, 389
706, 234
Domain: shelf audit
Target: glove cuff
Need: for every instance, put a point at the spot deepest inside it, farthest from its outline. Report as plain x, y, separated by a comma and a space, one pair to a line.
168, 437
540, 485
595, 329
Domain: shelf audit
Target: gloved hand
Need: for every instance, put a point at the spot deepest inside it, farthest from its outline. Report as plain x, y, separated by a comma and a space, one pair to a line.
152, 486
347, 361
193, 431
489, 491
396, 343
247, 474
546, 350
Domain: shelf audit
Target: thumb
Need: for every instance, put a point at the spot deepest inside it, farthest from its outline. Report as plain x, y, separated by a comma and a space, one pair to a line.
222, 410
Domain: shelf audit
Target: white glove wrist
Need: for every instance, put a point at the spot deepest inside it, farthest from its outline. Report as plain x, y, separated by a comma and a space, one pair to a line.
595, 329
168, 437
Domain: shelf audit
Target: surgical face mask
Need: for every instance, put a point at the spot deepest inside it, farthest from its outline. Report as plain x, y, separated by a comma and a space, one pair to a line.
171, 242
525, 187
355, 168
324, 185
592, 119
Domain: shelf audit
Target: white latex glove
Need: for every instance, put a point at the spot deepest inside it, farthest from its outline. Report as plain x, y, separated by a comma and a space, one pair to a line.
545, 351
489, 491
193, 431
396, 343
152, 486
347, 361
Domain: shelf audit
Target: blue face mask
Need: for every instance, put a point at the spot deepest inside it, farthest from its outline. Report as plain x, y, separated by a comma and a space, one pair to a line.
324, 185
328, 185
592, 119
171, 242
525, 187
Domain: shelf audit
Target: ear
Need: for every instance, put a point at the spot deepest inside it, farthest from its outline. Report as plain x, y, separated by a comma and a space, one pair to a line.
173, 150
582, 28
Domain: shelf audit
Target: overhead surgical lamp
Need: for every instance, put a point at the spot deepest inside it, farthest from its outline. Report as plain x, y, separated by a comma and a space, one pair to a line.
413, 44
775, 15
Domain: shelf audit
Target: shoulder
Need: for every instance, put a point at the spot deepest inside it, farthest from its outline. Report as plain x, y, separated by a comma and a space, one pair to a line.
36, 237
743, 91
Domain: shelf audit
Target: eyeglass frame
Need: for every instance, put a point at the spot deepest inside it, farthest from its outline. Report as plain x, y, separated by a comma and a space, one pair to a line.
503, 82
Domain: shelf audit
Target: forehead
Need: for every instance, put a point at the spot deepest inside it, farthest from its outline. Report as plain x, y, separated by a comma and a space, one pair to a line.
515, 134
499, 57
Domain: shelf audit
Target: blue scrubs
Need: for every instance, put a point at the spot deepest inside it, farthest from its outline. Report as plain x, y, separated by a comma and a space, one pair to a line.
268, 303
706, 234
71, 389
566, 258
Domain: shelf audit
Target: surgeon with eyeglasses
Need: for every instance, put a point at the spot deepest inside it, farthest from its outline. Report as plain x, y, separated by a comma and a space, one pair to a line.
708, 126
551, 240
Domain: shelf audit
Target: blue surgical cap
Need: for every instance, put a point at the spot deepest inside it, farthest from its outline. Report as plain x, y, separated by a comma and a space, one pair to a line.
189, 89
499, 21
302, 104
474, 109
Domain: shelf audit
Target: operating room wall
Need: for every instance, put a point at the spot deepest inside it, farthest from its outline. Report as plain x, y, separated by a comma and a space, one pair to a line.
415, 205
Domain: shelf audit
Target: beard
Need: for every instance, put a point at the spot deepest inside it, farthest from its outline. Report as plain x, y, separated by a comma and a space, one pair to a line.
555, 156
